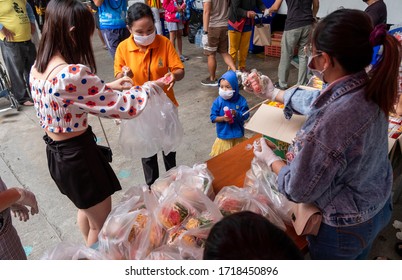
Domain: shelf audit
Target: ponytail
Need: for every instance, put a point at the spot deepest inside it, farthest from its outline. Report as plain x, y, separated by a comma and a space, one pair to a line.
383, 85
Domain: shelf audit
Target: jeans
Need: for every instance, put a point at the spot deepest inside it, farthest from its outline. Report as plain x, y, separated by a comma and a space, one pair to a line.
151, 169
291, 39
349, 243
113, 37
19, 58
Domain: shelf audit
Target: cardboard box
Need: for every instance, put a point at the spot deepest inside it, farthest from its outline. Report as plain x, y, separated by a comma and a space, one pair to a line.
271, 122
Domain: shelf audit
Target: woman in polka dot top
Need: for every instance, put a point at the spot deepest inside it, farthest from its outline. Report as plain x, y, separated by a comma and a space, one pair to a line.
65, 89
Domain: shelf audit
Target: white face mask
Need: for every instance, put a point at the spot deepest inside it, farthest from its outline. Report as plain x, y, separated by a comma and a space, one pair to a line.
315, 72
226, 94
144, 40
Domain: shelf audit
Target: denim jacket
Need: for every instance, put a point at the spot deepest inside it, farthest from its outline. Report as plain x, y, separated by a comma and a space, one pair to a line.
339, 158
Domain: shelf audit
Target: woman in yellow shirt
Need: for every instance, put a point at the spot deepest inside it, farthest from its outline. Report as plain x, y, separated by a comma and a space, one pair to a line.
150, 57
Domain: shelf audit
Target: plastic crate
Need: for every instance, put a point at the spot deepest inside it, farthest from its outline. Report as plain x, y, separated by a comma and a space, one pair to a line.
274, 49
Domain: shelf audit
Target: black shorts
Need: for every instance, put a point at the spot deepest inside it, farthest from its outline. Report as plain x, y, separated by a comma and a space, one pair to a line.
80, 170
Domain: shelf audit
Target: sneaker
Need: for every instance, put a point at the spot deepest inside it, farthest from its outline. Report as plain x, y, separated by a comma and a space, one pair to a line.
278, 86
209, 82
183, 58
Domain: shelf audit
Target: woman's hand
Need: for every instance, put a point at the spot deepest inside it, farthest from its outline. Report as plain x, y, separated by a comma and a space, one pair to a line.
20, 211
267, 89
169, 80
122, 83
251, 14
264, 153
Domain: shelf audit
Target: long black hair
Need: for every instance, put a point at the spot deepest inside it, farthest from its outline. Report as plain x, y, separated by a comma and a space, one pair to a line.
68, 29
345, 35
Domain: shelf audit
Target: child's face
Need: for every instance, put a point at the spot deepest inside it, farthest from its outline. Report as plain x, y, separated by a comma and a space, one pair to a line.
225, 85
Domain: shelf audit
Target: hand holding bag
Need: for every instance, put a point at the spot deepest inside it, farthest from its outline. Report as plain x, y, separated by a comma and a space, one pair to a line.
262, 34
306, 219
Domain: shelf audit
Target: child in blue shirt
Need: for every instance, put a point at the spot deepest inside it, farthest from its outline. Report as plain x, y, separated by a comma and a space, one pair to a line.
229, 133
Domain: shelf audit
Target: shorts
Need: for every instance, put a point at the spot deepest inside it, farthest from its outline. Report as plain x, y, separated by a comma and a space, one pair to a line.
218, 40
80, 170
174, 26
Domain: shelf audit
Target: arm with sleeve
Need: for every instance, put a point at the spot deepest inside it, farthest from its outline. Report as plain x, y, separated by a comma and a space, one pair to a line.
243, 108
30, 13
215, 110
311, 173
299, 101
169, 5
97, 97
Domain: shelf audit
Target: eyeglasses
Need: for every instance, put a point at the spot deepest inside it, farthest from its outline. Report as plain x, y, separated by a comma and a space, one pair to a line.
308, 50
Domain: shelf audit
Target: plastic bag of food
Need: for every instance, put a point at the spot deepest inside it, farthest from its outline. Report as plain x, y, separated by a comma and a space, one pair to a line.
264, 182
198, 177
157, 128
232, 199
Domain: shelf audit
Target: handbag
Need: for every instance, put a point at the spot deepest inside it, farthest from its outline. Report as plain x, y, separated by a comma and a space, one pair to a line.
105, 150
262, 34
237, 25
306, 218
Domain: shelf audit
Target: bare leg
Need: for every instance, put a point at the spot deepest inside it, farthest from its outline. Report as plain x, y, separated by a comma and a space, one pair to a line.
229, 61
96, 216
172, 38
179, 42
212, 66
83, 224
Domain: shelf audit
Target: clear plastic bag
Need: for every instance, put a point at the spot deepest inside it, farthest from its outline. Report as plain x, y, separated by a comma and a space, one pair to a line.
156, 129
184, 205
264, 182
232, 199
198, 177
131, 230
70, 251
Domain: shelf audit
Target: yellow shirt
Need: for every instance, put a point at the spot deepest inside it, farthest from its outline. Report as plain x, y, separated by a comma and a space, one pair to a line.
13, 16
159, 58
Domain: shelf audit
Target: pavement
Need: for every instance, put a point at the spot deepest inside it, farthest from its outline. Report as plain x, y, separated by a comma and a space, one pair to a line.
23, 159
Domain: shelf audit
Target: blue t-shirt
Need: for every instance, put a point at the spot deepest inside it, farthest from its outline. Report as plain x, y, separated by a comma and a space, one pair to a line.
112, 14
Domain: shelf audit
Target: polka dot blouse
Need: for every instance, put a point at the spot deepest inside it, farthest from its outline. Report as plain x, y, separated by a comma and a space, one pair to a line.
63, 103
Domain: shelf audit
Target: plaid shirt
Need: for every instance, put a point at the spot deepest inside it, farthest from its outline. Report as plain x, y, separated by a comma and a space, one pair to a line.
10, 243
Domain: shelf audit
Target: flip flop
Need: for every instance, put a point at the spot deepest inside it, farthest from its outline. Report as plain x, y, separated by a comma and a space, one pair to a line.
398, 248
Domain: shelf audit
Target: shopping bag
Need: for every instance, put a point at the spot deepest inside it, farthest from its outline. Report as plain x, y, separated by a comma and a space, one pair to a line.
237, 25
262, 34
156, 129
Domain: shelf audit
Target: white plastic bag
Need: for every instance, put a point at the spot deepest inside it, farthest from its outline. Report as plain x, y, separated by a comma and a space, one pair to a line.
156, 129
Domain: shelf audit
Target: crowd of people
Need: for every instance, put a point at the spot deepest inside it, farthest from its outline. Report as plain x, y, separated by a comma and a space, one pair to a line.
335, 162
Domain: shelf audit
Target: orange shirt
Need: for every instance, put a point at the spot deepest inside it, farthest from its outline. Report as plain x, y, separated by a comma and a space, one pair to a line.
159, 58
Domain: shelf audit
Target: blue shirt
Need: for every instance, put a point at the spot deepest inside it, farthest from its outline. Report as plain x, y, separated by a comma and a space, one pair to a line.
112, 14
339, 158
224, 130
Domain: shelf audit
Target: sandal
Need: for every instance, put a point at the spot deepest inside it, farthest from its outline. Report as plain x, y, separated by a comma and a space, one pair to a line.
398, 248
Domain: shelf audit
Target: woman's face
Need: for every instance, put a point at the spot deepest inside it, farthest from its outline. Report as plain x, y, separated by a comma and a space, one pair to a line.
142, 27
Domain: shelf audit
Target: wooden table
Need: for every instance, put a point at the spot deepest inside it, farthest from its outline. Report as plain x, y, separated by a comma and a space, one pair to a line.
230, 167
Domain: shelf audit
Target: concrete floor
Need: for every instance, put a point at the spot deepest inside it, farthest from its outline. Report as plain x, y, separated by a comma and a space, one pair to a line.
23, 159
